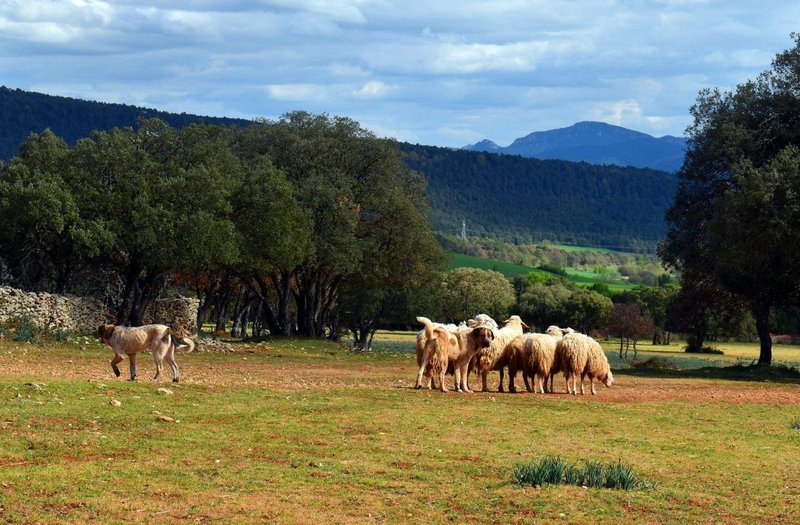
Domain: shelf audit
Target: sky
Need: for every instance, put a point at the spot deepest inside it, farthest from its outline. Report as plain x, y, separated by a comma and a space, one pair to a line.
435, 72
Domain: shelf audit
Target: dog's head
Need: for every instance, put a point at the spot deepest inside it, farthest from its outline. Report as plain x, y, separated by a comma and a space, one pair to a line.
483, 336
105, 331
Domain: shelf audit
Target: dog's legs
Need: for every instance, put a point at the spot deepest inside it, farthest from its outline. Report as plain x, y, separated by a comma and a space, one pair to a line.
158, 357
423, 364
171, 360
117, 359
132, 359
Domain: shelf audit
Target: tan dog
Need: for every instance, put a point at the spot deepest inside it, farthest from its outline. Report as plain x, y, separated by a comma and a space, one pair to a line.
470, 341
154, 337
435, 343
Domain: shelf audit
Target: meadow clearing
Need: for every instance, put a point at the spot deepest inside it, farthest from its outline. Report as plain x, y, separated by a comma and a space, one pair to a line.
297, 431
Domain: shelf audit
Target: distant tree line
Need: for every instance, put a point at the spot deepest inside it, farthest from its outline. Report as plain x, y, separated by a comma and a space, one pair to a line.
73, 119
309, 225
506, 197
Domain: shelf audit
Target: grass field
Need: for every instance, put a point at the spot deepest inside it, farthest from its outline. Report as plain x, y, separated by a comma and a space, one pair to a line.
305, 432
460, 260
510, 270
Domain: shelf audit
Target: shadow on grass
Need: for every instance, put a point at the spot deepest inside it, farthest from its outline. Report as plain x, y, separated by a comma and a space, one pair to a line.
773, 374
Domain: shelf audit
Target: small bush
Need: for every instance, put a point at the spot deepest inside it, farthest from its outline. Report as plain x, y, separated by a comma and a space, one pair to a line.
704, 350
658, 363
554, 470
796, 424
25, 332
61, 335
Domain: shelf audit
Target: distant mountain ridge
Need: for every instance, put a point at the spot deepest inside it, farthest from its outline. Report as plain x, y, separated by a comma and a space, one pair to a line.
507, 197
595, 143
25, 112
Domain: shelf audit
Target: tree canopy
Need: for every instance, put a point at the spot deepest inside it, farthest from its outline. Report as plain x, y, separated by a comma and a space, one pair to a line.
733, 226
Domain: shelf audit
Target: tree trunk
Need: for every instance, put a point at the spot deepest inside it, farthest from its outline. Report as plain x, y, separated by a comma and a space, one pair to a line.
283, 316
262, 291
150, 287
761, 313
222, 304
129, 292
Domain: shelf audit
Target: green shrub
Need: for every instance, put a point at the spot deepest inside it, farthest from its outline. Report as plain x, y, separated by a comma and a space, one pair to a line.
796, 424
25, 332
657, 363
554, 470
704, 350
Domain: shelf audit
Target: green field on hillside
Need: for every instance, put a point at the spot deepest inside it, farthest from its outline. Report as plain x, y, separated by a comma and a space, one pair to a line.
510, 270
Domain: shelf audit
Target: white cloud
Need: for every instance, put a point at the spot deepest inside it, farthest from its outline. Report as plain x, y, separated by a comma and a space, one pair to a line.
297, 92
372, 89
442, 72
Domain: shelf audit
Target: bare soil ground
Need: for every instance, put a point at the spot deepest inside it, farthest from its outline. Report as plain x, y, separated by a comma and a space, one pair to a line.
264, 367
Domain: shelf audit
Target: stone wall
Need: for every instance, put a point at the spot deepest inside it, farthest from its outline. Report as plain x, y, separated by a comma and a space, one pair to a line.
85, 314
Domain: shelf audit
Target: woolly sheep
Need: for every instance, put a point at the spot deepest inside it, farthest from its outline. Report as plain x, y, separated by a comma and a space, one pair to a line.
483, 320
580, 355
535, 355
495, 357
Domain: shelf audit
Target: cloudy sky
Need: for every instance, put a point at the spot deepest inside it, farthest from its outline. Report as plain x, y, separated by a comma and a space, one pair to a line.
440, 72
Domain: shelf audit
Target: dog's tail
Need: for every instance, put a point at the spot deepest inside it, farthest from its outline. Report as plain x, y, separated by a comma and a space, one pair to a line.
183, 344
428, 326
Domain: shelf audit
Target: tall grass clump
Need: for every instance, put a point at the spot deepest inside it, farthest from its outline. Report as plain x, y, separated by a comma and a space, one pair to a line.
555, 471
550, 470
25, 332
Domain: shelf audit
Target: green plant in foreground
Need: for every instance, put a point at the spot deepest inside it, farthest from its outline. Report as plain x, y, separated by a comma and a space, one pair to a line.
796, 424
554, 470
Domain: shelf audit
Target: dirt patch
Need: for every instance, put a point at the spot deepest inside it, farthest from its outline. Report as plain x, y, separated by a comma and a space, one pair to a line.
260, 369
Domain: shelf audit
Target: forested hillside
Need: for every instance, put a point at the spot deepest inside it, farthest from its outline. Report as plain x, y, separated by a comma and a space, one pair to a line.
502, 196
26, 112
527, 200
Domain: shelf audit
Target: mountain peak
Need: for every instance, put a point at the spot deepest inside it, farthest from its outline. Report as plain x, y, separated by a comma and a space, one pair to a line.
483, 145
597, 143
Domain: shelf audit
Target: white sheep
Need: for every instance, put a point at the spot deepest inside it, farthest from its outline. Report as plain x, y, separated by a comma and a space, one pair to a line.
495, 357
580, 355
535, 355
483, 320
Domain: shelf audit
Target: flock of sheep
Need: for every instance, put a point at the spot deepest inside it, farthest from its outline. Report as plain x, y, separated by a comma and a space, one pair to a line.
480, 345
